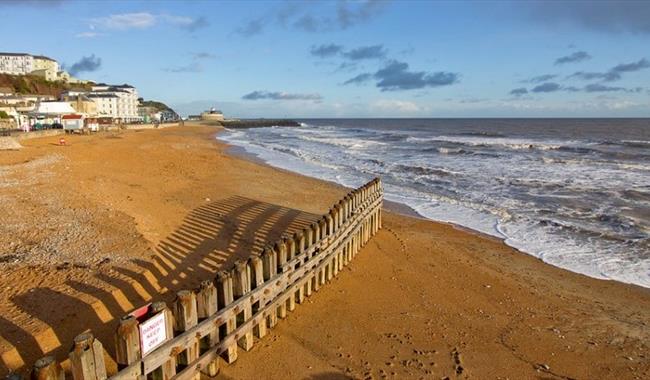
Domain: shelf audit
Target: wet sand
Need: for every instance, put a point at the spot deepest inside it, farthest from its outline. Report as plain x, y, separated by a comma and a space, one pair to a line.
111, 221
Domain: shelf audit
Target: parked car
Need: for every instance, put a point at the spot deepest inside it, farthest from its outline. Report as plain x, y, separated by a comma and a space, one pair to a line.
57, 126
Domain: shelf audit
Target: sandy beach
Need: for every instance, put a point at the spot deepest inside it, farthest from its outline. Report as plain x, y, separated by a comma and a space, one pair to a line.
90, 230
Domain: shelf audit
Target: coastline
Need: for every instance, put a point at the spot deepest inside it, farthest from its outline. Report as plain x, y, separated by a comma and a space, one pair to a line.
422, 299
396, 207
407, 210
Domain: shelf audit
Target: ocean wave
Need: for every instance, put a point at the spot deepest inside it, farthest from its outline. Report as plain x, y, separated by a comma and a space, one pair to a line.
637, 195
636, 143
509, 143
422, 170
350, 143
579, 204
481, 134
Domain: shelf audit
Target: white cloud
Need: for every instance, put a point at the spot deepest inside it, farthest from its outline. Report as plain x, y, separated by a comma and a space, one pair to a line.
88, 35
620, 105
124, 21
180, 21
400, 106
145, 20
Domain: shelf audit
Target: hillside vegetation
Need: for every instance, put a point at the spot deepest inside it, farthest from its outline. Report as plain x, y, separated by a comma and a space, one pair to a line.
160, 106
31, 84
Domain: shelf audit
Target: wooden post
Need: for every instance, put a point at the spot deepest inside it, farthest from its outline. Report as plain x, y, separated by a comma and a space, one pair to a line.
127, 342
290, 243
206, 300
292, 246
329, 218
350, 250
315, 281
335, 263
365, 231
281, 247
299, 241
47, 368
357, 241
309, 236
168, 369
241, 287
358, 202
316, 232
322, 226
330, 268
380, 215
225, 298
256, 264
206, 305
87, 358
186, 317
270, 267
376, 220
347, 206
368, 227
340, 214
302, 241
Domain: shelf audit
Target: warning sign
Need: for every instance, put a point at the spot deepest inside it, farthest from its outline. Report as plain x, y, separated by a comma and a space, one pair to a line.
153, 333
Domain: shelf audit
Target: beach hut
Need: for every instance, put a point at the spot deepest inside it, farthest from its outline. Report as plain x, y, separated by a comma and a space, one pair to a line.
72, 122
92, 124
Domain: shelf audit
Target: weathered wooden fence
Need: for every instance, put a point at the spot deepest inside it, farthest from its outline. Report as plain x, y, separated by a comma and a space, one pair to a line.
207, 325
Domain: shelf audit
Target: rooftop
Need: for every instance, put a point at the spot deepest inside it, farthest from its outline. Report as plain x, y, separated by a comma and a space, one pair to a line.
16, 54
27, 55
101, 96
55, 108
44, 57
114, 85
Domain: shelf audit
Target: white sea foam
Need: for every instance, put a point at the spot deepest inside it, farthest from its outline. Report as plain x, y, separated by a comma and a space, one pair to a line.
511, 143
556, 205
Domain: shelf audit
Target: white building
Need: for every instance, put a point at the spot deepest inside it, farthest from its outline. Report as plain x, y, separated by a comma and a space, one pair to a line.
23, 64
106, 104
16, 63
45, 67
54, 108
116, 101
50, 112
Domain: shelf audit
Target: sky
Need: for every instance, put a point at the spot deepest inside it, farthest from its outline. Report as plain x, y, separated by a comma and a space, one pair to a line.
353, 58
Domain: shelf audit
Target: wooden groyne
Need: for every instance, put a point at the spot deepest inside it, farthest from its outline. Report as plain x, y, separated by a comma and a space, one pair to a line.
206, 327
258, 123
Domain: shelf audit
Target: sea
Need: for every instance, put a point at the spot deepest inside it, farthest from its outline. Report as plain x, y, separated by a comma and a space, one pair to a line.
573, 192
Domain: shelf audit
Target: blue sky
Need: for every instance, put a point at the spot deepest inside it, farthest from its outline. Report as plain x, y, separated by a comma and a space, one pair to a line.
353, 58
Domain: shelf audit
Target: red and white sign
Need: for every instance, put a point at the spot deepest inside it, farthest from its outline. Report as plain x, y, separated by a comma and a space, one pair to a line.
153, 333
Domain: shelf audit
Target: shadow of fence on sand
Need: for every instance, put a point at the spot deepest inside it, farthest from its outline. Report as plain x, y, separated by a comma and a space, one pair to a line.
211, 237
